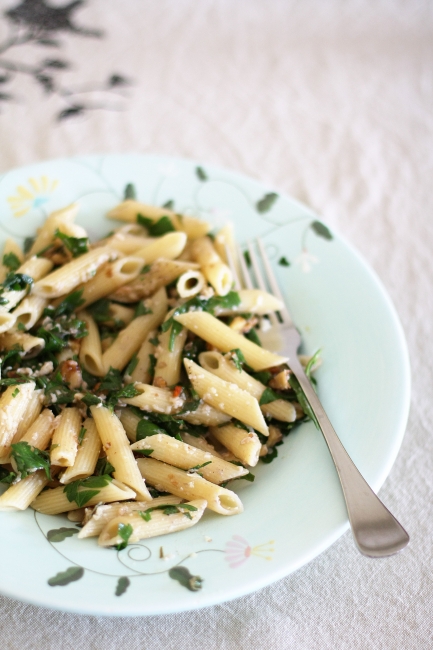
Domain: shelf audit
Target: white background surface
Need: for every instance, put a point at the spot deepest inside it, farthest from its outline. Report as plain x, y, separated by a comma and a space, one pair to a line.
330, 101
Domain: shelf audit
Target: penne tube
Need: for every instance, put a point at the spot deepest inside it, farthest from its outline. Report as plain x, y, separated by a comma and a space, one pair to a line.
36, 268
125, 242
116, 445
190, 284
216, 272
105, 513
10, 246
120, 313
129, 209
55, 220
154, 399
222, 367
87, 454
169, 362
66, 278
29, 311
20, 495
189, 486
30, 345
141, 372
161, 273
13, 404
129, 422
39, 433
245, 445
226, 396
131, 338
7, 321
168, 246
221, 336
33, 408
91, 351
159, 524
200, 443
109, 278
55, 501
206, 415
65, 438
185, 456
253, 301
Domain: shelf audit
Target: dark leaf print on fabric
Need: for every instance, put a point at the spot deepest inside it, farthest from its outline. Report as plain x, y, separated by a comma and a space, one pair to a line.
40, 23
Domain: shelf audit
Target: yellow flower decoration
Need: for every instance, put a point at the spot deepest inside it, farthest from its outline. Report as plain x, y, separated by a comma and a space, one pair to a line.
32, 196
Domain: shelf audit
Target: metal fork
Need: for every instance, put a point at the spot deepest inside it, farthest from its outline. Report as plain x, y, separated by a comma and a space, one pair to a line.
376, 531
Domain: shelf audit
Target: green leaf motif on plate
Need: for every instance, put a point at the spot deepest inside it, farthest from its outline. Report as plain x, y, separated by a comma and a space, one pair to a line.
65, 577
266, 203
129, 192
321, 230
186, 579
122, 585
57, 535
201, 174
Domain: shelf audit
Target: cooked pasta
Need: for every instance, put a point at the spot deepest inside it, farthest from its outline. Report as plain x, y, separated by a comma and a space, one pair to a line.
131, 366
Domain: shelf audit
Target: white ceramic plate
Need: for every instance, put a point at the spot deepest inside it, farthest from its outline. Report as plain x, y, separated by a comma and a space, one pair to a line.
294, 510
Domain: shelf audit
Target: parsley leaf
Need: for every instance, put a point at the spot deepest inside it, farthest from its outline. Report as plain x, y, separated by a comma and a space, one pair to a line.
253, 336
197, 467
142, 310
29, 459
67, 307
146, 428
144, 452
11, 261
103, 467
16, 282
168, 510
76, 245
268, 396
270, 456
131, 365
81, 435
263, 376
112, 380
124, 531
83, 490
6, 476
238, 358
127, 391
311, 363
16, 392
156, 228
100, 310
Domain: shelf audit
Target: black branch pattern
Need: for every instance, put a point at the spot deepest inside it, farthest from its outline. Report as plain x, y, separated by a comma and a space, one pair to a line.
36, 23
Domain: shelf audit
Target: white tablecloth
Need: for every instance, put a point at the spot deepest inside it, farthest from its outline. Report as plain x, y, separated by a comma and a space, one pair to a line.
328, 100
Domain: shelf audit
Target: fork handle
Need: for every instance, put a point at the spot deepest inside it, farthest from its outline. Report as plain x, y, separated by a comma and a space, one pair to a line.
376, 531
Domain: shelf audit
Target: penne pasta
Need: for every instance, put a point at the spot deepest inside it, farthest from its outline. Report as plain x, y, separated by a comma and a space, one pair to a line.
55, 501
10, 246
20, 495
169, 361
189, 486
157, 400
29, 311
109, 277
66, 278
105, 513
245, 445
168, 246
89, 448
65, 439
253, 301
55, 220
141, 372
116, 445
182, 455
217, 333
159, 523
216, 272
226, 396
39, 433
91, 350
13, 405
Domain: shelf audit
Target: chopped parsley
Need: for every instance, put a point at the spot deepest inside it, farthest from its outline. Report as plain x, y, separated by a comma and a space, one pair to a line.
75, 245
11, 261
29, 459
6, 476
156, 228
15, 282
81, 435
270, 456
238, 358
263, 376
16, 392
268, 396
146, 428
131, 366
124, 531
103, 467
144, 452
184, 508
83, 490
100, 310
253, 336
21, 327
142, 310
67, 307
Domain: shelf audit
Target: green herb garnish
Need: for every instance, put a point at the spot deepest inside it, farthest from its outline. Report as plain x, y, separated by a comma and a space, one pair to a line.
83, 490
76, 245
238, 358
29, 459
156, 228
11, 261
142, 310
81, 436
124, 531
